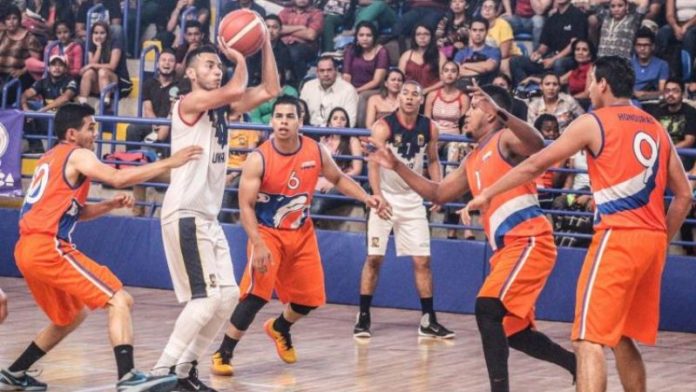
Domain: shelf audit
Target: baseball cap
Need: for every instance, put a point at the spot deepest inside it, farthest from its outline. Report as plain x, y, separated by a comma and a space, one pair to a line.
58, 57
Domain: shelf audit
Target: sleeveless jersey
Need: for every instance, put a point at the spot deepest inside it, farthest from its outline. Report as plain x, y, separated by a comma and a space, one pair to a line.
52, 206
288, 184
447, 113
197, 187
515, 213
628, 176
409, 145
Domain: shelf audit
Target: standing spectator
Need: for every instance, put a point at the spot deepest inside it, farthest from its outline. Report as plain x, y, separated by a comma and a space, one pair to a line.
377, 12
478, 60
202, 15
529, 18
67, 46
519, 107
159, 93
560, 29
677, 117
107, 64
500, 34
452, 32
193, 38
337, 14
387, 101
419, 12
618, 31
327, 92
280, 52
651, 72
235, 5
16, 46
365, 62
423, 61
564, 107
57, 89
577, 78
680, 27
301, 26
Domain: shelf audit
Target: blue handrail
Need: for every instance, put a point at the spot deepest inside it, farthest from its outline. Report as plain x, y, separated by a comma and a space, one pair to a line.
136, 42
141, 74
6, 91
88, 39
102, 96
183, 19
218, 17
47, 54
124, 23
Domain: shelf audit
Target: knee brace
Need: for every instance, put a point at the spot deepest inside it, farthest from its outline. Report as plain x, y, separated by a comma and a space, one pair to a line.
489, 310
301, 309
246, 310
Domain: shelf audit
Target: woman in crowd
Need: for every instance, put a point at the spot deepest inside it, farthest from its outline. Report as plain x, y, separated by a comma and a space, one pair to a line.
67, 46
553, 101
452, 31
17, 45
577, 78
617, 32
379, 105
423, 61
365, 62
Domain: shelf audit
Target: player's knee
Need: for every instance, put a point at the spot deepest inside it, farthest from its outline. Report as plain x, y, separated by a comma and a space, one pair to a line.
489, 310
246, 310
421, 263
229, 299
301, 309
122, 299
374, 262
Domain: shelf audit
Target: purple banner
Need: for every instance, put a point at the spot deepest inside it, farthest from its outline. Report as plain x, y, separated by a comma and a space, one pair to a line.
11, 132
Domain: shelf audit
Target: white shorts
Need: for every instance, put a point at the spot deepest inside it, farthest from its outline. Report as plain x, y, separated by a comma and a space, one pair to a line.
411, 232
198, 257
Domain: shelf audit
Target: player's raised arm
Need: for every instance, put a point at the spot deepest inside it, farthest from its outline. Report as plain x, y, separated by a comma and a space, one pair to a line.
268, 88
249, 185
343, 182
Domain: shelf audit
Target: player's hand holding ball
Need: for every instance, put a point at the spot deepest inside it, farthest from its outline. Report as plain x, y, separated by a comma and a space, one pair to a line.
242, 32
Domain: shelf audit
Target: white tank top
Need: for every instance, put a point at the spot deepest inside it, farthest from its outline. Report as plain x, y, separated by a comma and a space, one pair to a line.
197, 187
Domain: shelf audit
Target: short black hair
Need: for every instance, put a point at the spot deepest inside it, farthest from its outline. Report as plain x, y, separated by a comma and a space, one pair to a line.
326, 57
288, 100
480, 19
505, 78
676, 81
274, 17
499, 95
71, 115
544, 117
644, 32
198, 51
193, 23
12, 10
618, 73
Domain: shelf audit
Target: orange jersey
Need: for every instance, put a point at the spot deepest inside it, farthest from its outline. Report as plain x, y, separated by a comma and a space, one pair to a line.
288, 184
628, 176
512, 214
52, 206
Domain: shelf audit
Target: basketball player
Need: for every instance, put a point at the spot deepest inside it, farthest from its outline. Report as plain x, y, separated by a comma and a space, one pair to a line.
62, 279
412, 137
631, 162
197, 251
3, 306
518, 232
275, 194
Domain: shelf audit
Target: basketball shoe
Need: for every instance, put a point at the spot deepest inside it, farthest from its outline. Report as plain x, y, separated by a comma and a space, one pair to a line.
282, 341
362, 326
19, 381
429, 327
192, 382
221, 366
137, 381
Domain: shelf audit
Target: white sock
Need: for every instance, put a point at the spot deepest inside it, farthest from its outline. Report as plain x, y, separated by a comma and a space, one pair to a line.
82, 99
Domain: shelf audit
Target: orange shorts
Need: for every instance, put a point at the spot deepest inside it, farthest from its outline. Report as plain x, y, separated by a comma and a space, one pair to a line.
61, 278
618, 290
518, 274
295, 273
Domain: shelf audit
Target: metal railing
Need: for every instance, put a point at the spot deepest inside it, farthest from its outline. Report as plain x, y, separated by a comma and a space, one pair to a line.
141, 74
6, 91
99, 8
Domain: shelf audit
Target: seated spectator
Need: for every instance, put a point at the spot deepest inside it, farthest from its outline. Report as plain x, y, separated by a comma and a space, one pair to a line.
193, 38
240, 142
235, 5
387, 101
106, 65
423, 61
500, 34
377, 12
16, 46
337, 145
574, 202
159, 93
564, 107
280, 52
618, 30
112, 16
600, 12
554, 52
57, 89
478, 60
328, 91
651, 72
445, 106
547, 124
304, 113
53, 11
519, 107
202, 15
679, 30
452, 32
71, 49
365, 62
262, 113
302, 23
419, 12
337, 14
577, 78
529, 18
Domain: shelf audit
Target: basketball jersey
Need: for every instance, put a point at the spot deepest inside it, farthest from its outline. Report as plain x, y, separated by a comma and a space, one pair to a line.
197, 187
288, 183
511, 214
52, 206
409, 145
628, 176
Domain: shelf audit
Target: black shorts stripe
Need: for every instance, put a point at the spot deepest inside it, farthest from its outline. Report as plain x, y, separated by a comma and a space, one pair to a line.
192, 259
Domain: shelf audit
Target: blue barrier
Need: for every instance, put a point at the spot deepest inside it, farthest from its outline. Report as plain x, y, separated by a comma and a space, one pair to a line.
88, 39
6, 92
141, 74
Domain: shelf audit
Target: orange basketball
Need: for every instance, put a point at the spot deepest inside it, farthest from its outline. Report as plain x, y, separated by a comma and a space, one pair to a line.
243, 30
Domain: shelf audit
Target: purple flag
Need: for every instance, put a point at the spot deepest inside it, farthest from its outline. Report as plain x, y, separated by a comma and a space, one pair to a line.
11, 132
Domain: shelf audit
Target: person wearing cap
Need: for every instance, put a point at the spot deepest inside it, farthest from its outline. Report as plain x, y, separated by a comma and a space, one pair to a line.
55, 90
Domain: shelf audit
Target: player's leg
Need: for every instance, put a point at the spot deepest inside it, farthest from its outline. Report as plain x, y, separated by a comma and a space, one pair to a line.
592, 367
539, 346
489, 319
378, 231
630, 366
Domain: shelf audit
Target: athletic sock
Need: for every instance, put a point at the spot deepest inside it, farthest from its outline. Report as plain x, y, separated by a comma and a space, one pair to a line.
29, 357
124, 359
427, 308
227, 347
365, 303
281, 324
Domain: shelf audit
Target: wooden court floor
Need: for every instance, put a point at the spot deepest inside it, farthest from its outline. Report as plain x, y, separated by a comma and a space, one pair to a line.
329, 359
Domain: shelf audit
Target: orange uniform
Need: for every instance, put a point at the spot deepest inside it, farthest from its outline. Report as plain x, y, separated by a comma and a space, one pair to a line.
282, 210
518, 232
61, 279
618, 290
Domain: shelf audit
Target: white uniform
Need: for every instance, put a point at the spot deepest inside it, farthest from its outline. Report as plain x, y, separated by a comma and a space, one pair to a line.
409, 219
195, 245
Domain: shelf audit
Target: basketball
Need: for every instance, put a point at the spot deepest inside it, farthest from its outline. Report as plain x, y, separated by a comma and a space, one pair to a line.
243, 30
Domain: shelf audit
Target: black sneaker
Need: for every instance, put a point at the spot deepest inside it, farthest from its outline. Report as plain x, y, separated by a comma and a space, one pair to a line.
432, 329
362, 326
137, 381
192, 382
19, 381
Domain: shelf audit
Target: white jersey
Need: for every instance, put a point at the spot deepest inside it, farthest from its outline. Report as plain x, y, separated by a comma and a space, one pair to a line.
197, 187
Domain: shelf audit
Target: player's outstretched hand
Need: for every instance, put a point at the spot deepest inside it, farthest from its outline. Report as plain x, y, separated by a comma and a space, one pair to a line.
231, 54
481, 100
379, 154
479, 203
383, 208
184, 155
122, 200
3, 306
261, 257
